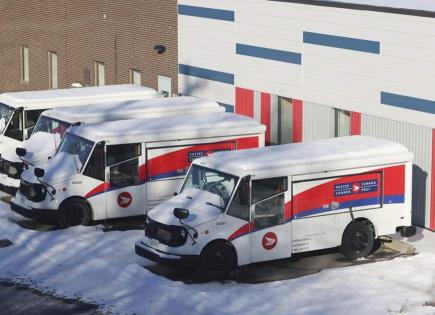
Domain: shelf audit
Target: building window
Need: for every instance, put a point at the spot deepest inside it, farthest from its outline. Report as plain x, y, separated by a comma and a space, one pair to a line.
342, 123
52, 69
135, 77
24, 64
281, 120
99, 74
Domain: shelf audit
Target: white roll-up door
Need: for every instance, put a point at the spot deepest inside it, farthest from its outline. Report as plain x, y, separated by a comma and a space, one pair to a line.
418, 140
318, 121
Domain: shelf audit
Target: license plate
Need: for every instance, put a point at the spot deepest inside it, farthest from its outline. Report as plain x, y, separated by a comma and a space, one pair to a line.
154, 242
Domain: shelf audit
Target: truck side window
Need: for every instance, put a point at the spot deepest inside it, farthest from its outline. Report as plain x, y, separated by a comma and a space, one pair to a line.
15, 128
265, 188
268, 197
123, 160
30, 119
122, 152
96, 164
239, 207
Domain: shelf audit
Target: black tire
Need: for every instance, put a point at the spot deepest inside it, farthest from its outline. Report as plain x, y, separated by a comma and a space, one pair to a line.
357, 240
217, 261
74, 212
408, 231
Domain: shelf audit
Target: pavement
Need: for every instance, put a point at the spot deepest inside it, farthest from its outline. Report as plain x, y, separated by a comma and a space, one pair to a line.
297, 266
16, 299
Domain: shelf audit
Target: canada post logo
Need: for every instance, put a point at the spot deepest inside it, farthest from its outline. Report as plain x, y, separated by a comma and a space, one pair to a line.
192, 155
357, 187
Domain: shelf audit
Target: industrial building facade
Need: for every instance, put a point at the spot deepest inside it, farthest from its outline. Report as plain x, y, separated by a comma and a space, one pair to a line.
318, 69
53, 44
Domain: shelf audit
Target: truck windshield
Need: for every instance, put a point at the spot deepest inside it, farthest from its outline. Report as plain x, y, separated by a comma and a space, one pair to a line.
78, 147
51, 125
218, 183
6, 113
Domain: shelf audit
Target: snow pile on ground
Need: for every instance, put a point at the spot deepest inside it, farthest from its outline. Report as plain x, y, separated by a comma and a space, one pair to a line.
102, 268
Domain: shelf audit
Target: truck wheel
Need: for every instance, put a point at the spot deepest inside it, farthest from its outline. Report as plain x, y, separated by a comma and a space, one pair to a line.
217, 261
74, 212
357, 240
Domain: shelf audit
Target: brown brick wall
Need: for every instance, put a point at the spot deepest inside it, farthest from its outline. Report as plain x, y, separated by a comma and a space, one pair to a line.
121, 34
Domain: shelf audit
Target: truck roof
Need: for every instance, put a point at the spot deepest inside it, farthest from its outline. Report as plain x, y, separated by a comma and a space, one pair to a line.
129, 109
190, 126
76, 96
308, 157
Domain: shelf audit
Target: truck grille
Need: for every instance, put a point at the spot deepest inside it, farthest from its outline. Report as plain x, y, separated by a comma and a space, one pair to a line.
33, 192
170, 235
12, 169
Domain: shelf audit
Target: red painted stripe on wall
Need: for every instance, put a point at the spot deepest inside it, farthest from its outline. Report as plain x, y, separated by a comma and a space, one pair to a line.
432, 195
355, 124
297, 120
265, 115
244, 102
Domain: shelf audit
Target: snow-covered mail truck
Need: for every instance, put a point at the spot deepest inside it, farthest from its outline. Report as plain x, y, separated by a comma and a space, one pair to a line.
242, 207
53, 123
19, 111
124, 168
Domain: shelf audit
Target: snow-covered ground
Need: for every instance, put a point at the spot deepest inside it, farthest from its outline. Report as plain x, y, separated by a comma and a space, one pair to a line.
102, 268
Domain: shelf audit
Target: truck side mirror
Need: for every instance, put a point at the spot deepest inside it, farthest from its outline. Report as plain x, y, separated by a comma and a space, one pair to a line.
21, 151
39, 172
181, 213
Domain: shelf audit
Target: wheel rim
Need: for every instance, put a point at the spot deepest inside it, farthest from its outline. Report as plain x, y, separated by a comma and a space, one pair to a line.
359, 242
216, 261
74, 216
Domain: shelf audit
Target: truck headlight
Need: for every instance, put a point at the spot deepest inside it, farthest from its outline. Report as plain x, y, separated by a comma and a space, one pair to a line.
183, 233
12, 170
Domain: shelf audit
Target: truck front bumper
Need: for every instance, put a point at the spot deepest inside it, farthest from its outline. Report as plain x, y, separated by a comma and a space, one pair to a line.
42, 215
166, 259
9, 185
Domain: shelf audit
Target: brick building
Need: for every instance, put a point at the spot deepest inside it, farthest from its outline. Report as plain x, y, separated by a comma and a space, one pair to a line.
51, 43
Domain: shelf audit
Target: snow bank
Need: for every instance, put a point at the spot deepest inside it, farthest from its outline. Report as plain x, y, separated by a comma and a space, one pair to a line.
102, 268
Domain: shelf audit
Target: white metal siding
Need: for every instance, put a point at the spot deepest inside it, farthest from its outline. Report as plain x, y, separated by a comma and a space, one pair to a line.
318, 121
417, 139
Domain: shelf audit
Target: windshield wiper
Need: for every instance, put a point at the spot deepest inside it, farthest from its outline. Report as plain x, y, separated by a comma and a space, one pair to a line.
212, 204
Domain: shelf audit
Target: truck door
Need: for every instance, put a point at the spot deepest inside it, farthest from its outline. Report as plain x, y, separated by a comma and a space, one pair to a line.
124, 195
270, 237
166, 167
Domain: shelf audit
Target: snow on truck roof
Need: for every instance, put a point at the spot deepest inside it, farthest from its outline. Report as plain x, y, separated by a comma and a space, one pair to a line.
308, 157
129, 109
169, 128
73, 96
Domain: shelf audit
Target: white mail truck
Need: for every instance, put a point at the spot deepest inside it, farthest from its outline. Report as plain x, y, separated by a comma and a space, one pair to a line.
242, 207
53, 123
124, 168
19, 111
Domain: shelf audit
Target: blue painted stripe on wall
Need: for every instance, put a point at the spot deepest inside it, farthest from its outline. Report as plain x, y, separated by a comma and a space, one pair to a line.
228, 108
268, 53
208, 13
206, 74
349, 43
408, 102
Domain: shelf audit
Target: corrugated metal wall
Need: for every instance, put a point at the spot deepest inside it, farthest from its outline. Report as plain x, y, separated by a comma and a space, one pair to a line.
318, 121
417, 139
